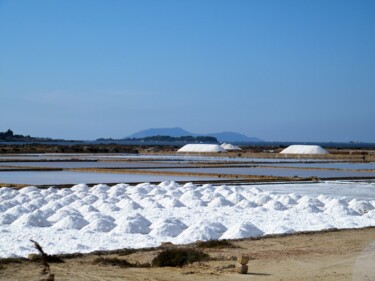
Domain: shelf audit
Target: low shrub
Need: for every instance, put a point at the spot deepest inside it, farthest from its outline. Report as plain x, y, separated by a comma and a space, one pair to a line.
113, 262
119, 262
178, 257
216, 244
10, 260
126, 252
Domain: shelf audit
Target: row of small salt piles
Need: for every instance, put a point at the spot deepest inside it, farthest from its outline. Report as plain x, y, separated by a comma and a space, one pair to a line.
106, 209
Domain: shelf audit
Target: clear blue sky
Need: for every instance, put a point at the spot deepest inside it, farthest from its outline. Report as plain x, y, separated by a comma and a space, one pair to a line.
277, 70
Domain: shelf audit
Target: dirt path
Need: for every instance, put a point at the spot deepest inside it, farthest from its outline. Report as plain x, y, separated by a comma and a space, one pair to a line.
338, 255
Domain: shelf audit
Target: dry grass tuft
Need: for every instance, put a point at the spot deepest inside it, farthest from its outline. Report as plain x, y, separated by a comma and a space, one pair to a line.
117, 262
126, 252
216, 244
10, 260
4, 261
179, 257
112, 261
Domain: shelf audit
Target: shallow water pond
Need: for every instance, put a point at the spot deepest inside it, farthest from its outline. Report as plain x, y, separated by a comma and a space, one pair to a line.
65, 177
281, 172
88, 164
350, 166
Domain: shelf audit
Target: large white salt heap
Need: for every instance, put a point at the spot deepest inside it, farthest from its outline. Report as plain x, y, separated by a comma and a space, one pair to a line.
228, 146
304, 149
201, 148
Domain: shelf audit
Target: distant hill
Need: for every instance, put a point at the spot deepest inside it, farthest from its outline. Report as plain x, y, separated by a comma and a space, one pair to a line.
172, 132
179, 132
234, 137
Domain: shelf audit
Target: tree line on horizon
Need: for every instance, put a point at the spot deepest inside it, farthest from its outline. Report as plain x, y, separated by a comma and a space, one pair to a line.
10, 136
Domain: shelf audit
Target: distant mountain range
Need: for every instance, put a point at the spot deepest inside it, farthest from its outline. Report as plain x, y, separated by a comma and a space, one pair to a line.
179, 132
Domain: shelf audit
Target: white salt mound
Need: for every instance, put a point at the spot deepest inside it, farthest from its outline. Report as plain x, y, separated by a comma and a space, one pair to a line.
308, 207
235, 197
287, 200
167, 227
224, 190
168, 184
62, 213
190, 195
228, 146
95, 216
244, 204
324, 198
201, 148
29, 189
294, 196
312, 201
280, 229
157, 191
336, 202
219, 202
108, 208
8, 193
34, 219
80, 187
100, 225
171, 203
87, 209
6, 218
209, 196
128, 204
370, 215
340, 211
274, 205
71, 222
90, 199
261, 199
242, 230
134, 224
195, 203
148, 203
304, 149
360, 206
17, 211
207, 186
203, 230
52, 205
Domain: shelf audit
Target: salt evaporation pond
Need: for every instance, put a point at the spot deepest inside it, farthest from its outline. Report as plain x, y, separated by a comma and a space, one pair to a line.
279, 172
89, 164
349, 189
351, 166
65, 177
83, 219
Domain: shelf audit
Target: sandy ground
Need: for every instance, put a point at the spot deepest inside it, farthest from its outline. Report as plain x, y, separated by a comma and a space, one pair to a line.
338, 255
